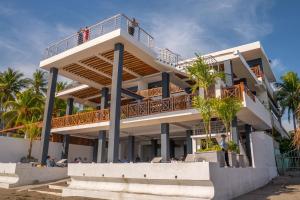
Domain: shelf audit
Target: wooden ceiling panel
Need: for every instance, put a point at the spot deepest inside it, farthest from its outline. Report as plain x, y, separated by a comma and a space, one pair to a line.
82, 94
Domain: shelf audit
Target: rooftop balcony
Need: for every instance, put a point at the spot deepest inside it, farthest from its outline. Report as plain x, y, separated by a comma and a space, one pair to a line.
108, 25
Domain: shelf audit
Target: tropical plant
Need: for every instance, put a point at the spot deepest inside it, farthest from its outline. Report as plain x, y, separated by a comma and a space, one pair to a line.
60, 105
39, 82
233, 147
26, 106
11, 83
289, 95
226, 110
32, 131
205, 108
203, 75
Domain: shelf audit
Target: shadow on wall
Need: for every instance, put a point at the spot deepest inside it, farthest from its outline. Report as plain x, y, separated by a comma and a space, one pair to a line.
13, 149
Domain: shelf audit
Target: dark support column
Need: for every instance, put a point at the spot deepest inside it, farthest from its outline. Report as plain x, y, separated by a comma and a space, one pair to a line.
100, 154
115, 104
48, 114
165, 141
130, 148
172, 148
154, 148
234, 131
189, 149
229, 81
248, 131
165, 85
101, 146
66, 141
95, 150
104, 98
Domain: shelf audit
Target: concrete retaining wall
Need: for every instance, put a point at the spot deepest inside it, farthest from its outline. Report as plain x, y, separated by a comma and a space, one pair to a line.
170, 181
13, 149
12, 174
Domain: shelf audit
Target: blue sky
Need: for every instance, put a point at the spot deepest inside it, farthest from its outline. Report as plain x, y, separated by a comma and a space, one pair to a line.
185, 27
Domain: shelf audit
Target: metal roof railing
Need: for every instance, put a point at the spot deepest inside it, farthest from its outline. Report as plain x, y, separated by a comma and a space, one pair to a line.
119, 21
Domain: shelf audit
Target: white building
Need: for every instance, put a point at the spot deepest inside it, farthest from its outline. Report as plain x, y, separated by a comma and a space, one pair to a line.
142, 98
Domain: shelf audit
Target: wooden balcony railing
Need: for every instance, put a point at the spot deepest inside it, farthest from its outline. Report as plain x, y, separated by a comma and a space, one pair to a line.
143, 108
154, 92
257, 71
237, 91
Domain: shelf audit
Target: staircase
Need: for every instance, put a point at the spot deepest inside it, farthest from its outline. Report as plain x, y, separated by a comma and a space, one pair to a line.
53, 188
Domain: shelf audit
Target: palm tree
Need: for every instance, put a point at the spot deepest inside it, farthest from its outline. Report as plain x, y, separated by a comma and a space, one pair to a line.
60, 105
39, 82
203, 75
226, 109
26, 106
32, 131
11, 83
289, 95
205, 108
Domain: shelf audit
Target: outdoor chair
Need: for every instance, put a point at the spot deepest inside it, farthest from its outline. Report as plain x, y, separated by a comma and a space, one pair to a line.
156, 160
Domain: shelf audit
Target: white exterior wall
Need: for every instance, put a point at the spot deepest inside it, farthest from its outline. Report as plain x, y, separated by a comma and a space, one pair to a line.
13, 149
174, 181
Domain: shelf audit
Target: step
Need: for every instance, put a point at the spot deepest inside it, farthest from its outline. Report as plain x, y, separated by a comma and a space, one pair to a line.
46, 190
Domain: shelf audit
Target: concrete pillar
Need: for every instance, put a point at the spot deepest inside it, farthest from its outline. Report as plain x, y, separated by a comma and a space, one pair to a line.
52, 79
66, 140
115, 105
102, 133
165, 142
248, 130
234, 131
130, 148
95, 150
228, 73
154, 148
101, 146
189, 146
172, 148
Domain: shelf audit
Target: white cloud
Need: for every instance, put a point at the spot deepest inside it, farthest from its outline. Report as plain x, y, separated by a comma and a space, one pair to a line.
23, 42
203, 26
277, 65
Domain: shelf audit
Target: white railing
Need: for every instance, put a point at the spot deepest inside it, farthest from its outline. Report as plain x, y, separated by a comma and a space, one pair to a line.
216, 127
167, 56
119, 21
209, 60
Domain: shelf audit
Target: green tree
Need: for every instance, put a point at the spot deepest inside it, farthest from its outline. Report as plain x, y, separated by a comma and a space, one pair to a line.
226, 109
205, 108
39, 82
60, 105
11, 83
26, 106
203, 75
32, 131
289, 95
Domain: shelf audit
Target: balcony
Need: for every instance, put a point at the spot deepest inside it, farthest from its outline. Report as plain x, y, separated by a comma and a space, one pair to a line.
117, 22
139, 109
254, 112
